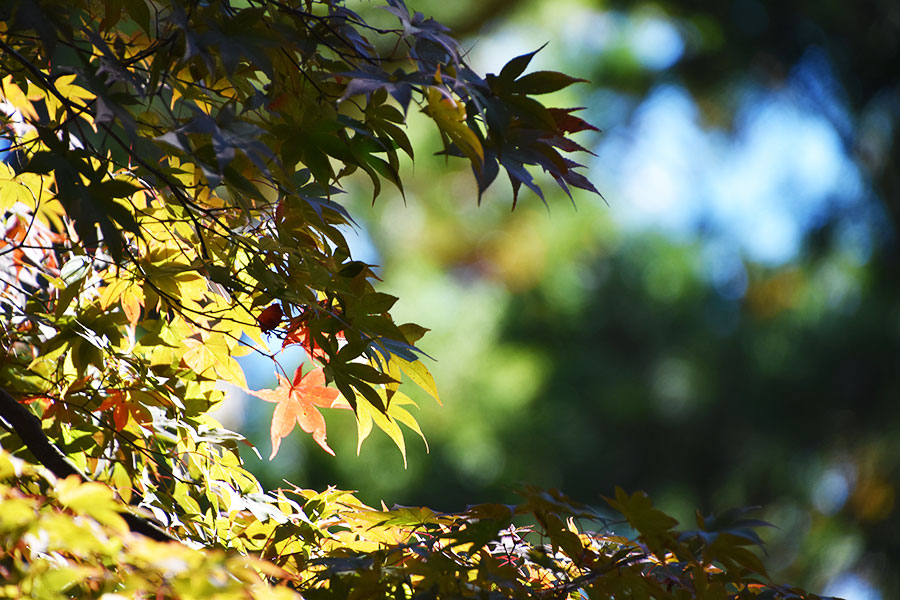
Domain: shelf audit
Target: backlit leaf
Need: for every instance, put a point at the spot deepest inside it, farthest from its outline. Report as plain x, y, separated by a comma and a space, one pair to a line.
420, 375
450, 117
296, 404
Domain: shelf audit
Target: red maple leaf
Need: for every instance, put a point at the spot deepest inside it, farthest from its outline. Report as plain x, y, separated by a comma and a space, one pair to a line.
303, 336
296, 401
270, 318
299, 332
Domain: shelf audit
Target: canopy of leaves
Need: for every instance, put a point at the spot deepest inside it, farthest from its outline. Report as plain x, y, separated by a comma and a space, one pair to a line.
170, 194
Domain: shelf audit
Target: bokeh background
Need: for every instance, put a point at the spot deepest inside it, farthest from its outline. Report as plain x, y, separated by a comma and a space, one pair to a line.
723, 330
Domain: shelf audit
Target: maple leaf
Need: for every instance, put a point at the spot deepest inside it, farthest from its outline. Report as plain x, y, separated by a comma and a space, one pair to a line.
303, 336
270, 318
124, 406
296, 401
300, 333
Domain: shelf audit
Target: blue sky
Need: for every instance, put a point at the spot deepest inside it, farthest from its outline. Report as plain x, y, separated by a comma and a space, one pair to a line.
754, 189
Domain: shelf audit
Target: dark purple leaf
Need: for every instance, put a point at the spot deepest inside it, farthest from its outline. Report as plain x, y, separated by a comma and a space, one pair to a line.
516, 66
543, 82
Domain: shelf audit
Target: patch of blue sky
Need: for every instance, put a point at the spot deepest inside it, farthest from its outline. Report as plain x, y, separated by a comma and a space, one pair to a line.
259, 369
361, 246
780, 176
590, 31
655, 42
831, 491
760, 187
850, 586
764, 186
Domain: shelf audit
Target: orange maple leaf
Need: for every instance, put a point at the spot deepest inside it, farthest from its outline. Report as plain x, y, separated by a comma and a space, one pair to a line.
123, 407
296, 401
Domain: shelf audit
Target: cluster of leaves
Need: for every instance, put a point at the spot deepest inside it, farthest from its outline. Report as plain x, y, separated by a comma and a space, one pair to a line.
65, 538
173, 168
169, 197
487, 551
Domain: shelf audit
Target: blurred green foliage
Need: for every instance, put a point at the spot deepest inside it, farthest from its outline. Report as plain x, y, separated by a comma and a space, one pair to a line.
597, 355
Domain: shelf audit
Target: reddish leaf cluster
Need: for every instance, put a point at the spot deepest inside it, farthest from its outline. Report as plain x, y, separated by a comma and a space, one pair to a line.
299, 331
26, 242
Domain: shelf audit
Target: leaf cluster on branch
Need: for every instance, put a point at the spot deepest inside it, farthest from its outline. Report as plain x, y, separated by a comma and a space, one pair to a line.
170, 195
